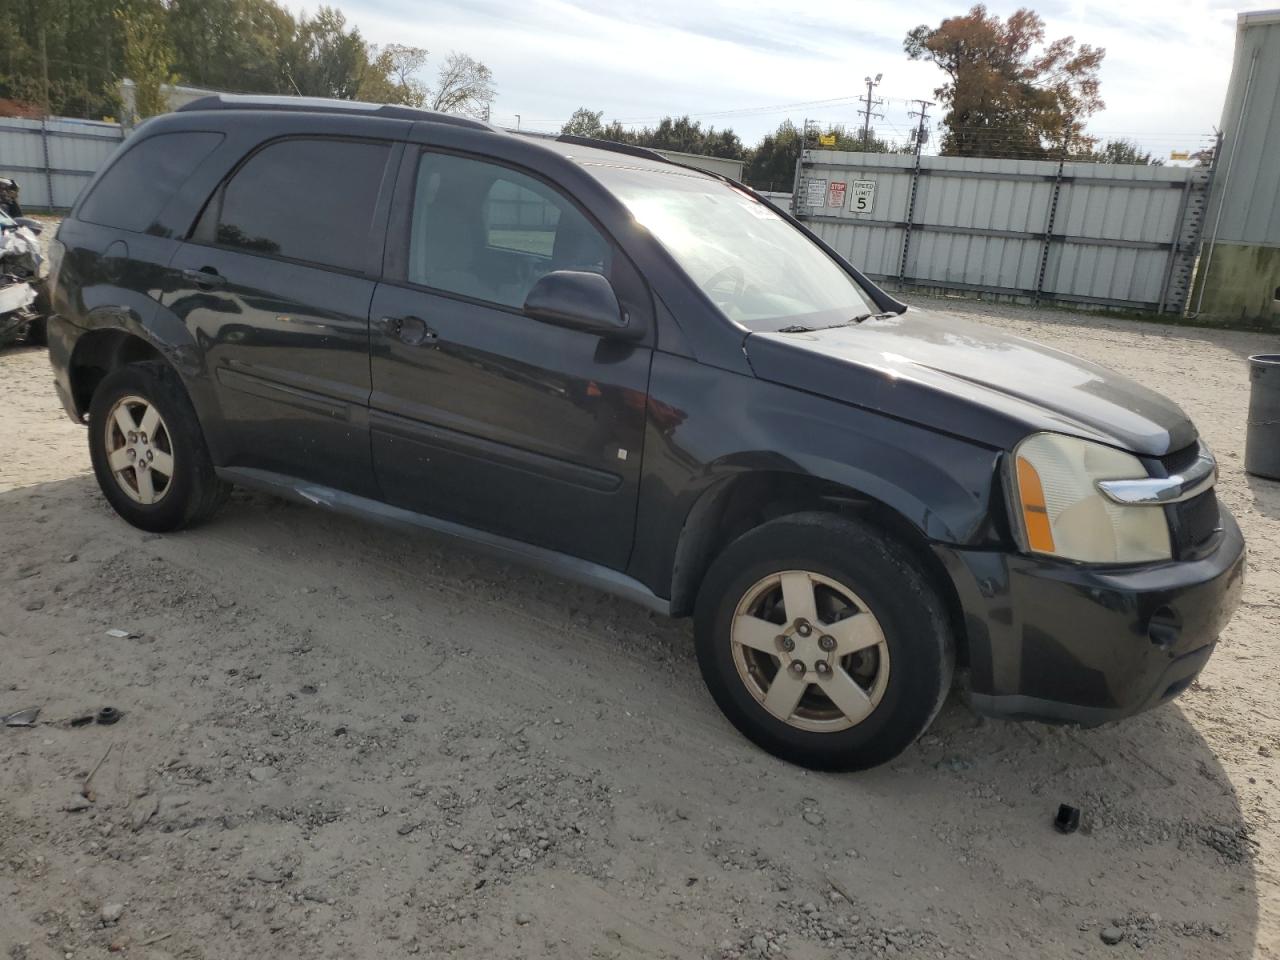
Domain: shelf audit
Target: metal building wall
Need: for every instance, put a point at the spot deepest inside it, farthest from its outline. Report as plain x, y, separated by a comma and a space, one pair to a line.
1251, 149
1110, 234
53, 159
1241, 266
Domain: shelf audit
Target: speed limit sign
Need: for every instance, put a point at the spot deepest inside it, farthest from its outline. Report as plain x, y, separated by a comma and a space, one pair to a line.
863, 196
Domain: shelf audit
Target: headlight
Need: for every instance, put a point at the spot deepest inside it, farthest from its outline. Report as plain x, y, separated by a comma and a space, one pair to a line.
1059, 510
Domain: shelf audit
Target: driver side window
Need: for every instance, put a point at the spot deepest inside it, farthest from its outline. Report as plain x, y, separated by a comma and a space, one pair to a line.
486, 232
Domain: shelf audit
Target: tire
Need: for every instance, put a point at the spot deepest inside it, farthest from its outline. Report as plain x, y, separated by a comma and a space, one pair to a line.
37, 334
192, 492
900, 661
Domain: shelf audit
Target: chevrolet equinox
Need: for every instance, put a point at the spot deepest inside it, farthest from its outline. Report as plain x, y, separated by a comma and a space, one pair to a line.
647, 378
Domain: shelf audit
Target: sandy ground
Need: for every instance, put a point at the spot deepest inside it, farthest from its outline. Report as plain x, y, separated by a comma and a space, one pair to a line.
344, 742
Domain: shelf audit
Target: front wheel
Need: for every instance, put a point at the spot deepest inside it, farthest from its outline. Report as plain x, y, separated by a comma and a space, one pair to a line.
822, 642
148, 450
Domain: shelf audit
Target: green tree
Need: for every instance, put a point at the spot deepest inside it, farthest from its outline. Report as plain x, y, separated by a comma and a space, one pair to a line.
324, 58
1123, 151
772, 164
83, 42
855, 142
1007, 94
234, 45
584, 123
679, 134
147, 53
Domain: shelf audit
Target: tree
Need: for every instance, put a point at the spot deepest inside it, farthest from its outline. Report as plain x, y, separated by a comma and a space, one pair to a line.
772, 164
678, 134
584, 123
234, 45
392, 76
1003, 98
324, 58
854, 142
1123, 151
82, 39
464, 85
147, 54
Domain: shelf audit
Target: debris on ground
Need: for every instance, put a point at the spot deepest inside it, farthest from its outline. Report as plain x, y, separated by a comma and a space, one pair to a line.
21, 718
1067, 819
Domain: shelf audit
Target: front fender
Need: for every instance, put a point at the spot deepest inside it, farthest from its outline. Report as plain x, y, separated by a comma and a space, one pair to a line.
706, 428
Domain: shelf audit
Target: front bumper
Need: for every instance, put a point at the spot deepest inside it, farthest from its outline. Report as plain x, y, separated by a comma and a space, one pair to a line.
1056, 641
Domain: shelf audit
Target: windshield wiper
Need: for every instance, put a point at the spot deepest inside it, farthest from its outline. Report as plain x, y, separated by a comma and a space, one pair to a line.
797, 328
870, 316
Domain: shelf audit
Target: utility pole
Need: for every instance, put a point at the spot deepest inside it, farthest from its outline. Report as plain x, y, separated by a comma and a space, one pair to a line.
869, 105
923, 114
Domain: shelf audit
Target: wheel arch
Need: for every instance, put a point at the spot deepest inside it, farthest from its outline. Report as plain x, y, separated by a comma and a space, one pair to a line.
100, 351
124, 327
742, 502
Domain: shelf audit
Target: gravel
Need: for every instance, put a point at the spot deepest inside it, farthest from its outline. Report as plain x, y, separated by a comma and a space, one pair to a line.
565, 765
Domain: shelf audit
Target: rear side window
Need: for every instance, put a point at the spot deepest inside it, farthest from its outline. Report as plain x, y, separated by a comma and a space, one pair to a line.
136, 188
309, 200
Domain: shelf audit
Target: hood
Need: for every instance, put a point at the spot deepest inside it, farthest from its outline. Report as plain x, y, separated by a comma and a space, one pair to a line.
971, 380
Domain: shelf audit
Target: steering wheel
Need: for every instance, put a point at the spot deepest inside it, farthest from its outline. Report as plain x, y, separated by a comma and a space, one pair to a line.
731, 274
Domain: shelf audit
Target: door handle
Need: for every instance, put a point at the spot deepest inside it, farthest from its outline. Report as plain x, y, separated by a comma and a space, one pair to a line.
409, 330
206, 278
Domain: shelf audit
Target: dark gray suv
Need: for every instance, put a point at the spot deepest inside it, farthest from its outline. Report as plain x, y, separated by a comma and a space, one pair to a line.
650, 379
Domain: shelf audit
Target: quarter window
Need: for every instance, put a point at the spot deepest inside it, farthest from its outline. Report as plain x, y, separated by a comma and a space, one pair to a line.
135, 189
309, 200
484, 231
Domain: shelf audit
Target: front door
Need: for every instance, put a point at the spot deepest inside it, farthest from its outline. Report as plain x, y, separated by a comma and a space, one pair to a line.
275, 285
479, 414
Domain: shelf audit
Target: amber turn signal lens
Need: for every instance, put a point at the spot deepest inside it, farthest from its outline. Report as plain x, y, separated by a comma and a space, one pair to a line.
1035, 515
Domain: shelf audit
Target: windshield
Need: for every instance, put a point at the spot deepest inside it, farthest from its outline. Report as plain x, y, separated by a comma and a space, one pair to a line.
756, 267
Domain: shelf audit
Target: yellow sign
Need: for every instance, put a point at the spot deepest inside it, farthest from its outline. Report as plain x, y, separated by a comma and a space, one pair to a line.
827, 139
1179, 155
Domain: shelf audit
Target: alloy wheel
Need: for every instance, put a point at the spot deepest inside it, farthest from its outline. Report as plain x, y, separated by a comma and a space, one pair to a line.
139, 450
810, 651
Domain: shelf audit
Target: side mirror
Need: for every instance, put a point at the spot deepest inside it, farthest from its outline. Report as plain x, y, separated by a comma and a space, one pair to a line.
580, 301
35, 226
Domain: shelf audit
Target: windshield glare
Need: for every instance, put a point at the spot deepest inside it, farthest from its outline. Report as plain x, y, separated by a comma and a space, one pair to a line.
758, 269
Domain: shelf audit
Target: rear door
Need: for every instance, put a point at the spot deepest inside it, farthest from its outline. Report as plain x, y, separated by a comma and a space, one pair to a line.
116, 254
275, 284
478, 413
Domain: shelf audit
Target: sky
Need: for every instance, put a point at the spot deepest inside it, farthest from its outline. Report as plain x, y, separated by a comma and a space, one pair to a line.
749, 64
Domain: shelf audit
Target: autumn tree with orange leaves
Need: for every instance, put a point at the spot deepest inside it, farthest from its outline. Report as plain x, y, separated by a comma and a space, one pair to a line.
1008, 93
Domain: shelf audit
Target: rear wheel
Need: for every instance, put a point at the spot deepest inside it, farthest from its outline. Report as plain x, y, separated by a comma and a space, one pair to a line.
822, 642
148, 450
37, 334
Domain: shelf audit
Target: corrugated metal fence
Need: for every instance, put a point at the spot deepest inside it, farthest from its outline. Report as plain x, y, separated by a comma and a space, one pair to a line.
53, 159
1107, 234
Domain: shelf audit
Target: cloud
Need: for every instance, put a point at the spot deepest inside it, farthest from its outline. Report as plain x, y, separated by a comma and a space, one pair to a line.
732, 64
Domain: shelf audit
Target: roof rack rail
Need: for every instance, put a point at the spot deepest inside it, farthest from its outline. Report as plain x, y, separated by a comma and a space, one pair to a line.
614, 146
646, 152
231, 101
